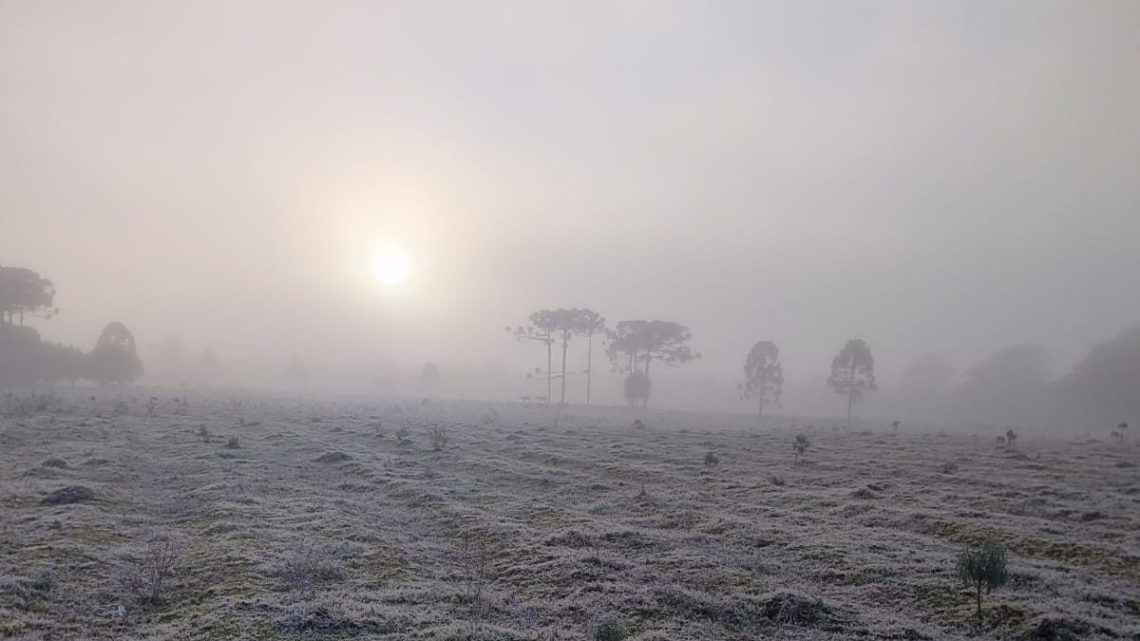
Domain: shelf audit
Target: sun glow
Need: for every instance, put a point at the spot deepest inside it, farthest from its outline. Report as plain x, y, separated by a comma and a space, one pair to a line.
391, 266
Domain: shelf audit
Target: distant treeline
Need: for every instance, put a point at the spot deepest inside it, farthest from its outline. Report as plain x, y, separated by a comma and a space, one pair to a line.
26, 359
1013, 387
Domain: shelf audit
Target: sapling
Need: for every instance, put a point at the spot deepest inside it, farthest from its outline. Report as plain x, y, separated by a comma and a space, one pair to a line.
800, 445
983, 568
1010, 437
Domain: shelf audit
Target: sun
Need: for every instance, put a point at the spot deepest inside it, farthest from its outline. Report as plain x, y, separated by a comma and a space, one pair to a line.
391, 267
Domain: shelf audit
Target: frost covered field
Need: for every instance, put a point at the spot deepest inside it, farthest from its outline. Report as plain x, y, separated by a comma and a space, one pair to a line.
287, 519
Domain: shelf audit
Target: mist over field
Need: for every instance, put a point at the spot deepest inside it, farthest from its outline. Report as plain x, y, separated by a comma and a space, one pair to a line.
634, 291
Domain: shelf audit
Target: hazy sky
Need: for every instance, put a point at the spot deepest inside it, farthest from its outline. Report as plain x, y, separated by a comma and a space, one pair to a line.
949, 177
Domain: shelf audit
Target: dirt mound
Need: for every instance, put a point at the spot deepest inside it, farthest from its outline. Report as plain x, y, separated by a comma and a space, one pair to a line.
791, 608
1058, 629
68, 495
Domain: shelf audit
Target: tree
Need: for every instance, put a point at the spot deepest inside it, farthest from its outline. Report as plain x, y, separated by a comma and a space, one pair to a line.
763, 375
564, 324
115, 358
853, 372
63, 363
983, 568
1104, 387
636, 388
21, 356
589, 323
639, 342
428, 378
540, 329
23, 291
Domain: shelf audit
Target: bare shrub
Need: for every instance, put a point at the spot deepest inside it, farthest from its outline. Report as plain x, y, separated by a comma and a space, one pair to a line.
609, 629
307, 566
437, 436
711, 458
475, 556
233, 443
148, 575
949, 468
203, 433
800, 446
777, 480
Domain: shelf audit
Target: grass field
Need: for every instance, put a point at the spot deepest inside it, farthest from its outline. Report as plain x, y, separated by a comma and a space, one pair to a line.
291, 519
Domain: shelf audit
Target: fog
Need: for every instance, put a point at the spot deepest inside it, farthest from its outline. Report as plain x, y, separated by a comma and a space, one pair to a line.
950, 179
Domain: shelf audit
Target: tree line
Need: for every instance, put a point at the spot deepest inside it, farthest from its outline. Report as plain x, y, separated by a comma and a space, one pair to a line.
27, 359
633, 346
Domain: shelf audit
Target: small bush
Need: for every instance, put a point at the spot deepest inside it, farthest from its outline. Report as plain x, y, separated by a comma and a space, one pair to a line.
56, 463
305, 567
609, 629
203, 433
149, 574
983, 568
777, 480
800, 446
949, 468
233, 443
711, 458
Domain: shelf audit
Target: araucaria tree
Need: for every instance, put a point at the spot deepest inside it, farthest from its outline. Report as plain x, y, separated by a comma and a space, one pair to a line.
23, 291
635, 344
853, 372
763, 375
115, 359
983, 568
589, 323
541, 330
562, 325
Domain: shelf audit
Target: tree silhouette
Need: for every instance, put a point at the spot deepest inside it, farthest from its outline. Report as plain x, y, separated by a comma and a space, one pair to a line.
1104, 387
635, 388
63, 363
21, 356
563, 324
589, 323
637, 343
541, 330
763, 375
853, 372
23, 291
115, 358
